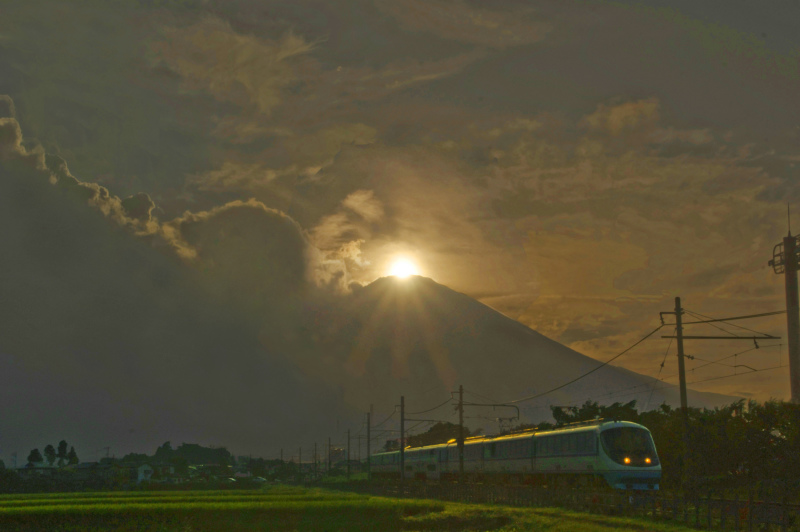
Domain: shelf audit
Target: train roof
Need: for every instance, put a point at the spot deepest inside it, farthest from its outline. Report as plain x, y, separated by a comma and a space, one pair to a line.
582, 426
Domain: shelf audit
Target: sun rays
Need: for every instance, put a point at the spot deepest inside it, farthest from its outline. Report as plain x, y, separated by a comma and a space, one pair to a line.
403, 267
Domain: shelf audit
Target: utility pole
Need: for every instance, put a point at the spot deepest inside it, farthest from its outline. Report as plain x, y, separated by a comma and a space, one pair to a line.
678, 312
680, 337
681, 365
369, 465
315, 461
281, 455
460, 443
329, 454
300, 462
687, 483
785, 261
402, 438
348, 454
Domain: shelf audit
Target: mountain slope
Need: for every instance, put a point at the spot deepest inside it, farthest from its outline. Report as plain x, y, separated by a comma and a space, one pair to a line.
417, 338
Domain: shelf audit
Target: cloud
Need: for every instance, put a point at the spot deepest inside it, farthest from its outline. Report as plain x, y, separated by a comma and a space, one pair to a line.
242, 69
625, 117
467, 24
7, 109
244, 251
364, 203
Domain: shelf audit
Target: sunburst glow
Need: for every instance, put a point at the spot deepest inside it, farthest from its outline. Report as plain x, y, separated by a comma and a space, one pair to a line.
403, 268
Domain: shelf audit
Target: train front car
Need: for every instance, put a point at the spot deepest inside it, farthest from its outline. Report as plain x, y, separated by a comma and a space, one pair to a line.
627, 456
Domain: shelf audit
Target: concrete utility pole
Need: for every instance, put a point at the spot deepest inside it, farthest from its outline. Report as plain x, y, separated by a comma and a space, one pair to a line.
348, 454
402, 438
685, 473
329, 454
315, 460
684, 402
369, 465
460, 433
785, 261
681, 364
680, 337
300, 462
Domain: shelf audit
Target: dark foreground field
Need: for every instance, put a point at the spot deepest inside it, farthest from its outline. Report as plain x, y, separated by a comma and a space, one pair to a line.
282, 508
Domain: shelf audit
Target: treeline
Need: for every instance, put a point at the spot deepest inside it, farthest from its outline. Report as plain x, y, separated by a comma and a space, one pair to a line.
744, 443
63, 456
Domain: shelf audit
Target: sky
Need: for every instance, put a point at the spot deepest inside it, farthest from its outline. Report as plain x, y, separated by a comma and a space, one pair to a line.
575, 165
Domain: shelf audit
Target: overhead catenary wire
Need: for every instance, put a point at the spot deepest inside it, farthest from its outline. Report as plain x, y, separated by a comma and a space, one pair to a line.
660, 369
648, 335
667, 385
712, 324
430, 409
709, 319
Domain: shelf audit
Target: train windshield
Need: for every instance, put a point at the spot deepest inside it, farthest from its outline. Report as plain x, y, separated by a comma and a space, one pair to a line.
630, 446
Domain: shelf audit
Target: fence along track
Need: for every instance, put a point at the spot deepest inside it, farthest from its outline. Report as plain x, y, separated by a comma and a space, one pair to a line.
706, 511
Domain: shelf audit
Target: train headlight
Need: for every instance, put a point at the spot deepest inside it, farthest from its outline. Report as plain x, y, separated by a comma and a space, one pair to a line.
647, 460
626, 460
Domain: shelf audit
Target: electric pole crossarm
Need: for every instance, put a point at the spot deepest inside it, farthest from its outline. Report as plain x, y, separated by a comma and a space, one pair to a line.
763, 314
767, 337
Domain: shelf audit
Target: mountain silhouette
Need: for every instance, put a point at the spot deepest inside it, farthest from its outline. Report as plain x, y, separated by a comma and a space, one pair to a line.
417, 338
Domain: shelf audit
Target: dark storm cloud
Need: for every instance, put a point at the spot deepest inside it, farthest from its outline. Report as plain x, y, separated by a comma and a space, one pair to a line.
93, 316
7, 109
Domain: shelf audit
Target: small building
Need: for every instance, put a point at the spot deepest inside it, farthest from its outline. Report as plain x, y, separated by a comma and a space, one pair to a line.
140, 473
36, 470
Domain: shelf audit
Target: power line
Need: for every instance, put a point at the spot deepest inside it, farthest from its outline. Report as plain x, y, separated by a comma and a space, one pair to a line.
651, 333
733, 318
710, 323
483, 397
725, 320
387, 419
660, 369
430, 409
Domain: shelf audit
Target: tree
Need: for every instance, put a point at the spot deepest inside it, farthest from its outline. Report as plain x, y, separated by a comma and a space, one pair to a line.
72, 457
35, 457
50, 454
164, 453
591, 410
441, 432
62, 452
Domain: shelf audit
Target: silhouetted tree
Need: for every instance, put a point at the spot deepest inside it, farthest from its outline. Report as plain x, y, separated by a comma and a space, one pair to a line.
441, 432
62, 452
35, 457
164, 453
72, 456
591, 410
50, 454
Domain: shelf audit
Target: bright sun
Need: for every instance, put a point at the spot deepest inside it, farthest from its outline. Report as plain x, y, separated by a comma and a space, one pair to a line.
403, 268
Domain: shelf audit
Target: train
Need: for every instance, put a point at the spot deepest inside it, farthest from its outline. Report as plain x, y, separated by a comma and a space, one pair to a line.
614, 454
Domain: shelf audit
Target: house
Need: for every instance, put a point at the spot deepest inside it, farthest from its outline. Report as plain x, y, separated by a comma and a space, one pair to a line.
138, 473
36, 470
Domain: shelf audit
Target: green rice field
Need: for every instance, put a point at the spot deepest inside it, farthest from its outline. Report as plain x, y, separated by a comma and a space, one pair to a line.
283, 508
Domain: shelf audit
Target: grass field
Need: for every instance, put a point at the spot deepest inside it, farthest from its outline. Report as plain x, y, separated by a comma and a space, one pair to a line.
283, 509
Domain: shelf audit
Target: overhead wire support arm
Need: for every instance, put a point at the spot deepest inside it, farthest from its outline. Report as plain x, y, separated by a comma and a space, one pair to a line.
766, 337
713, 320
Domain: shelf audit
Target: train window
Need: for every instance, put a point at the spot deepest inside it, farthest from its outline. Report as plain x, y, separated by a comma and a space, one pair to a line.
490, 450
630, 442
546, 446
